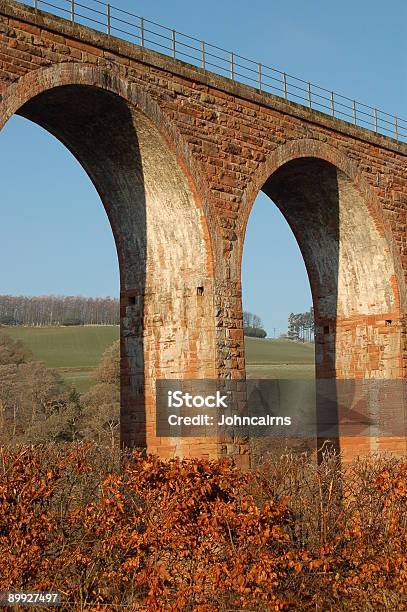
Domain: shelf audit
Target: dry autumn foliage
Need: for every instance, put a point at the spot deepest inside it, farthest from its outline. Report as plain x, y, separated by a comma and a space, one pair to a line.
36, 406
131, 530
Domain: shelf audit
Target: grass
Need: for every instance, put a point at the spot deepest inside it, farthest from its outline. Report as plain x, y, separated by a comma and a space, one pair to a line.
76, 351
73, 351
279, 359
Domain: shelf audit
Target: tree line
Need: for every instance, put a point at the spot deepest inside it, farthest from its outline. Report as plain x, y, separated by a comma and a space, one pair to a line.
58, 310
301, 326
78, 310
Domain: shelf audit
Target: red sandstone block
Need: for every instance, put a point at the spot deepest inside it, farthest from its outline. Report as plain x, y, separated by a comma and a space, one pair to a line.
10, 67
76, 44
47, 35
75, 53
12, 51
4, 76
24, 27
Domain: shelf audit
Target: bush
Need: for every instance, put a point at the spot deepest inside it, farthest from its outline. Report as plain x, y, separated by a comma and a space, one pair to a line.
70, 321
255, 332
13, 352
105, 528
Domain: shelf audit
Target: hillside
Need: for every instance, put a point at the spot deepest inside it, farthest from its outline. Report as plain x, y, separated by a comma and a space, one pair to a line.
279, 359
76, 351
278, 351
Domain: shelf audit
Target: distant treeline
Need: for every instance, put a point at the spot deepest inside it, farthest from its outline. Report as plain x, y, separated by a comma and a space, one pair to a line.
301, 326
58, 310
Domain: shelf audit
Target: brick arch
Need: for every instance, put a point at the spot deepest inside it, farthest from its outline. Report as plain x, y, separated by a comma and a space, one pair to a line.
348, 289
135, 162
306, 147
75, 73
352, 265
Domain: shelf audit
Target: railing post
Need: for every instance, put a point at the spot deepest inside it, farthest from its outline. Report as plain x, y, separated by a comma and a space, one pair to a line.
36, 5
332, 104
354, 111
174, 50
259, 72
142, 31
108, 17
232, 66
375, 120
396, 128
285, 85
309, 95
203, 54
73, 11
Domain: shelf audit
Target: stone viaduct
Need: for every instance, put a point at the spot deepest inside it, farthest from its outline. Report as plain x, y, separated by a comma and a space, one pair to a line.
178, 156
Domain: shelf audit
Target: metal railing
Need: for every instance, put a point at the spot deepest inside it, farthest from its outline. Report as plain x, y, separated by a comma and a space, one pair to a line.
133, 28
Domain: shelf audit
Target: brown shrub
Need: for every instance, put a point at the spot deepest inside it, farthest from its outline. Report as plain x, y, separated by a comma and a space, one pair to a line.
134, 531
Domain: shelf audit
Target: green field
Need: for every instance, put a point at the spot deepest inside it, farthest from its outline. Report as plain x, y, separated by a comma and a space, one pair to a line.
76, 351
73, 351
279, 359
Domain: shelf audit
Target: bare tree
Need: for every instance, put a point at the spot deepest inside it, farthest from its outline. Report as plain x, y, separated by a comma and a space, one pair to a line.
58, 310
102, 402
301, 326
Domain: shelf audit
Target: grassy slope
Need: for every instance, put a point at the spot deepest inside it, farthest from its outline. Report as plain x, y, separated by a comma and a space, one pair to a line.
75, 352
278, 351
279, 359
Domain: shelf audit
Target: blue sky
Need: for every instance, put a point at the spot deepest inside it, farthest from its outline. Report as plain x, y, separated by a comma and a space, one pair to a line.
54, 234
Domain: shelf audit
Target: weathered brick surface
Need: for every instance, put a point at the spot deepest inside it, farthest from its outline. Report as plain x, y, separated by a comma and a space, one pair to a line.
178, 156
